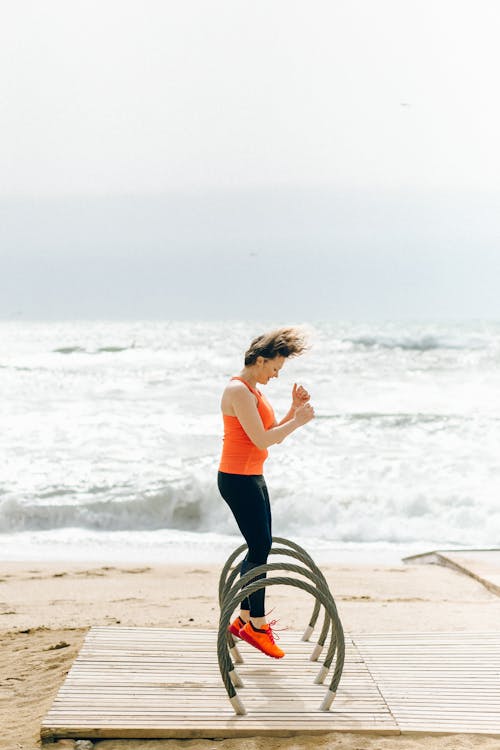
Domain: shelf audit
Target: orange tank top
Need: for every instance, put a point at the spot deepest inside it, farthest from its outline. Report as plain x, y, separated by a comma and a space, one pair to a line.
239, 454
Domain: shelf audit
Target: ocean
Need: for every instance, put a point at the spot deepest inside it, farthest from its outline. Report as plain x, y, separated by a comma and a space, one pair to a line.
111, 435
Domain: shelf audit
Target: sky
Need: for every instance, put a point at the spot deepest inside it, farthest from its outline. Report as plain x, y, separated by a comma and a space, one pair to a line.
228, 159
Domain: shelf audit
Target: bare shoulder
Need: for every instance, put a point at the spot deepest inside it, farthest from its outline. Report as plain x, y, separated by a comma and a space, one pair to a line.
237, 386
235, 392
237, 389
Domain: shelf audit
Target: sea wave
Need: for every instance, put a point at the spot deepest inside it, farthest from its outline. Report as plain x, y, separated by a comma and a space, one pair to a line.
15, 367
196, 506
394, 419
191, 505
98, 350
420, 343
103, 439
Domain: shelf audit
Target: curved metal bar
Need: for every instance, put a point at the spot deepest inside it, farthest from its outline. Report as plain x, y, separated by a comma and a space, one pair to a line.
320, 581
222, 592
222, 582
231, 579
232, 557
336, 624
227, 578
295, 550
225, 663
225, 581
315, 613
314, 569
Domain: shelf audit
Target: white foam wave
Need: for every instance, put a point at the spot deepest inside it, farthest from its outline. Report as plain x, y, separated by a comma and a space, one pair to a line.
419, 343
101, 436
196, 506
190, 505
82, 350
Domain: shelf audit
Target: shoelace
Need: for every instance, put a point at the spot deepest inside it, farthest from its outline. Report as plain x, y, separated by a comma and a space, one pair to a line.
273, 632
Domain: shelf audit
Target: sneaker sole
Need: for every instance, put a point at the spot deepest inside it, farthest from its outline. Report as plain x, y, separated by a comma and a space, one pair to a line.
245, 637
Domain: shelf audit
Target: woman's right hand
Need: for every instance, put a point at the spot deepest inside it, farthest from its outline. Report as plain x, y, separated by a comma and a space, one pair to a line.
304, 414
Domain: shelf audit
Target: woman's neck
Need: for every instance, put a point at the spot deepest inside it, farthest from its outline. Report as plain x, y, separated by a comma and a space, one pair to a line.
249, 376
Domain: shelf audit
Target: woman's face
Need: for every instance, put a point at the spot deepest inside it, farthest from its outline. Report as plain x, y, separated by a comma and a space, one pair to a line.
269, 368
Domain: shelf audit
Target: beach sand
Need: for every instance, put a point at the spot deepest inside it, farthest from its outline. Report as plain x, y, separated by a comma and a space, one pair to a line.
46, 609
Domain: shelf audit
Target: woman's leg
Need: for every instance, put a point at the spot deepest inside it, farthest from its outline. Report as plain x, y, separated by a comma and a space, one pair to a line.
248, 498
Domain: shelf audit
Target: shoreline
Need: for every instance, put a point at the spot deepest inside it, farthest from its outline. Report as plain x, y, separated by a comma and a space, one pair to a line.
173, 546
47, 607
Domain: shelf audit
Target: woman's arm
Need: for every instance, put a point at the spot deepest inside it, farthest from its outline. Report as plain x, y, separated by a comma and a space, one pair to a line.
288, 416
245, 409
299, 397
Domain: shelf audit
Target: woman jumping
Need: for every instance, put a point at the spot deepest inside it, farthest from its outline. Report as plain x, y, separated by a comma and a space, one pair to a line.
249, 429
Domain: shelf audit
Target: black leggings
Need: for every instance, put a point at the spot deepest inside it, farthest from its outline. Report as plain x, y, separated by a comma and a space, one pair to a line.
248, 499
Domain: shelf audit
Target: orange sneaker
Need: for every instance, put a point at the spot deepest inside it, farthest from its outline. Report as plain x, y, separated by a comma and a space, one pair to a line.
262, 638
236, 626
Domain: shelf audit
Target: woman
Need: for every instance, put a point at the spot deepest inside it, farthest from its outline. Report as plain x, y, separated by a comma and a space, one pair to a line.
249, 429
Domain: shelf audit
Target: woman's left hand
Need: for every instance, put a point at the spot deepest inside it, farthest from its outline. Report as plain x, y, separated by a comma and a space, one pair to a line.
299, 396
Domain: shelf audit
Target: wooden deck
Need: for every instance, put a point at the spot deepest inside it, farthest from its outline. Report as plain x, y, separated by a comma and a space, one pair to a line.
157, 683
437, 682
481, 564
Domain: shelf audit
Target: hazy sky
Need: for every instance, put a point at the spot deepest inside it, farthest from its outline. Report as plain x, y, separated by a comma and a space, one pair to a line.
354, 143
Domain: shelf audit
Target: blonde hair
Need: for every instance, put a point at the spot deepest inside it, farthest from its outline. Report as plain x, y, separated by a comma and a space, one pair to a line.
282, 342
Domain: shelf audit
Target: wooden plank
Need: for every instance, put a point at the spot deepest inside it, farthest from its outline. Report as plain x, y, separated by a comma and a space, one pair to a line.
481, 564
437, 683
167, 684
133, 682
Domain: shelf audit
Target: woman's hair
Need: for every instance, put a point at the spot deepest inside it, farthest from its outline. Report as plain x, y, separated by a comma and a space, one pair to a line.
282, 342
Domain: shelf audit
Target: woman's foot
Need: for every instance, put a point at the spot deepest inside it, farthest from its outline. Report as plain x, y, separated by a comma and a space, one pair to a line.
262, 638
236, 626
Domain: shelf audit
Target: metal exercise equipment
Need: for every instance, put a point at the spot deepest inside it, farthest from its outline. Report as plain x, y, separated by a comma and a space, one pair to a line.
230, 595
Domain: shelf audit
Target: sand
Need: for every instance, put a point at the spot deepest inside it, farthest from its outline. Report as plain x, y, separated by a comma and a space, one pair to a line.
46, 609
